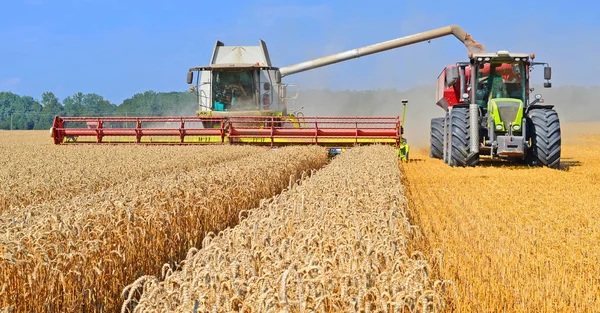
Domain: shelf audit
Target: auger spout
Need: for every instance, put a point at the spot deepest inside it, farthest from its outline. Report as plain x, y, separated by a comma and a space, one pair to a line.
455, 30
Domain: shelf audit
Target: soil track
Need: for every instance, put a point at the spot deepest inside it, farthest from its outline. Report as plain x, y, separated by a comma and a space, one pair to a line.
514, 238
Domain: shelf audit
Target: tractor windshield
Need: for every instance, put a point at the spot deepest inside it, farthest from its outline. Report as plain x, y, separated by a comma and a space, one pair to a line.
500, 80
234, 90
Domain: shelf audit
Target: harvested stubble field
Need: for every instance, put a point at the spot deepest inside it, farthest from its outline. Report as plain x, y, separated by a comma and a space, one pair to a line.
336, 242
512, 238
76, 254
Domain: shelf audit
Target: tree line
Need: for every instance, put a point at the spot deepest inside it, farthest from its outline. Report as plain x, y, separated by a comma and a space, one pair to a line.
26, 113
574, 103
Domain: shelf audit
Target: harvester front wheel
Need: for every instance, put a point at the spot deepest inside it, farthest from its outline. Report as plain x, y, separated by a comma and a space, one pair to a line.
436, 140
545, 134
460, 138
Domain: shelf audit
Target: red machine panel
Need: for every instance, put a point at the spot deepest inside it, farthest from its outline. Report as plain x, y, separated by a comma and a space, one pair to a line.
97, 129
257, 130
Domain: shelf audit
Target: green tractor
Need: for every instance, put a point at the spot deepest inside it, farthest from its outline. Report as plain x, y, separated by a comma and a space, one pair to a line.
488, 112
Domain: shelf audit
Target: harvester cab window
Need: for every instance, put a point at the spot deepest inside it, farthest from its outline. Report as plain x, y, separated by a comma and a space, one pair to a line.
233, 91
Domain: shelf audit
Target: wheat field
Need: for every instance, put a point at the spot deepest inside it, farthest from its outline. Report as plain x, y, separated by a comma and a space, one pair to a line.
76, 253
512, 238
223, 228
336, 242
34, 171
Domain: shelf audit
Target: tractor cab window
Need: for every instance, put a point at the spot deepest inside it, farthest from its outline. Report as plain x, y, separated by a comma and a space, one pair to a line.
233, 90
500, 80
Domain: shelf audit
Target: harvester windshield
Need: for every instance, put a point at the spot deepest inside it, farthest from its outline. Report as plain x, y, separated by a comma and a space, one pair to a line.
500, 80
234, 90
223, 88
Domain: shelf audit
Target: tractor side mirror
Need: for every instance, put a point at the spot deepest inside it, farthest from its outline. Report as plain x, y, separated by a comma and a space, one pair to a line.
451, 76
547, 73
190, 77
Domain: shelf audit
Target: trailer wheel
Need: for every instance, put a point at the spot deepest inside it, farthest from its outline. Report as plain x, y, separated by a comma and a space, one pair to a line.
460, 154
436, 140
545, 134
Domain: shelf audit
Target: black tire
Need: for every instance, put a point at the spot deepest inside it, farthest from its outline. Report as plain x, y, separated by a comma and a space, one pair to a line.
460, 154
545, 134
436, 140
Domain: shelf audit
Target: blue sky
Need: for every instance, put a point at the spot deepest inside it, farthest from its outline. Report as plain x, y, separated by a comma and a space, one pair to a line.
118, 48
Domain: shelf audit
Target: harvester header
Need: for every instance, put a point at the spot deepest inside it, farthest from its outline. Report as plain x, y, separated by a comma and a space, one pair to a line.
242, 99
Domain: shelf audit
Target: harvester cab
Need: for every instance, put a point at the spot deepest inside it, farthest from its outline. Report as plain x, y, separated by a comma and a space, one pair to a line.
489, 112
240, 81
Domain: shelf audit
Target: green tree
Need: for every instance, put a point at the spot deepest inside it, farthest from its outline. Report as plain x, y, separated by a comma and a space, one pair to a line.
20, 112
51, 103
73, 105
52, 107
96, 105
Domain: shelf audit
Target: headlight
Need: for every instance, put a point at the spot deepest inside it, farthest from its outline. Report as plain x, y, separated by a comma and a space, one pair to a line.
498, 127
517, 127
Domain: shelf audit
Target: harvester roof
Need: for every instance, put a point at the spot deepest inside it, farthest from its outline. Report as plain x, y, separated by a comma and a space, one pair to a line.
232, 66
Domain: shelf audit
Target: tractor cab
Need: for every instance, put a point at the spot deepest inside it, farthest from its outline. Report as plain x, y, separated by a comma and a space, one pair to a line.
501, 80
500, 87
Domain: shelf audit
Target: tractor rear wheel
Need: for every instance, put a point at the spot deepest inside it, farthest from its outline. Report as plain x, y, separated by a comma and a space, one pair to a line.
460, 139
544, 131
436, 140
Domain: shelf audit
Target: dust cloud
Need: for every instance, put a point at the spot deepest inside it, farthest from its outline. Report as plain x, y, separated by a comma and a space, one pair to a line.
420, 110
574, 105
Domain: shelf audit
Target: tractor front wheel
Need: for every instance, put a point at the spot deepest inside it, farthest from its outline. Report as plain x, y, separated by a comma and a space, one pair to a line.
544, 131
460, 139
436, 140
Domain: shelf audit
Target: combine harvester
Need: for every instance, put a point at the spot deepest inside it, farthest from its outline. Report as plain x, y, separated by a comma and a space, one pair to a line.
488, 112
242, 100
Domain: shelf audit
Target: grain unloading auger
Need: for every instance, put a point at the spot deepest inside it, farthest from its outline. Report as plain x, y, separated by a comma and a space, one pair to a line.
242, 100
